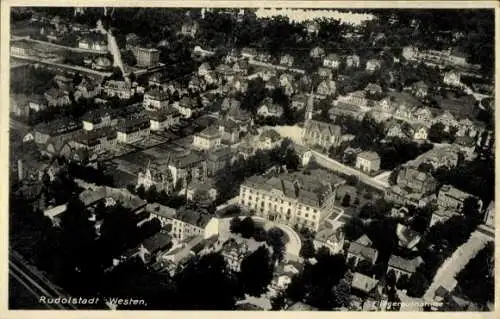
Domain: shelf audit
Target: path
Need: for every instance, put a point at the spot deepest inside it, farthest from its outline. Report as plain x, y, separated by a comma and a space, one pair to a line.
445, 276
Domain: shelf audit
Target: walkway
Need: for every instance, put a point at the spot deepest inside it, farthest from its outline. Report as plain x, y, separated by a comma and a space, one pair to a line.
445, 276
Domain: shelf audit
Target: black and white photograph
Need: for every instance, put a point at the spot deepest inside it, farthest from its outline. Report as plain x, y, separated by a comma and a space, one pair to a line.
250, 158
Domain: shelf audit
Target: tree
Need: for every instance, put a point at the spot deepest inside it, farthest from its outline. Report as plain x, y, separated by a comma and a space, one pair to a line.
353, 228
342, 294
402, 282
436, 133
346, 201
276, 239
365, 267
417, 285
471, 208
247, 227
391, 279
256, 272
393, 177
278, 302
141, 191
307, 250
235, 225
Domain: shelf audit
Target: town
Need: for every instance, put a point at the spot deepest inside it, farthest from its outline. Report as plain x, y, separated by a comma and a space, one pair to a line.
242, 159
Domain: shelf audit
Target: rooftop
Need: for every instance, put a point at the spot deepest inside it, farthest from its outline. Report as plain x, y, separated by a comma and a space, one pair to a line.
362, 250
371, 156
363, 283
157, 242
193, 217
409, 265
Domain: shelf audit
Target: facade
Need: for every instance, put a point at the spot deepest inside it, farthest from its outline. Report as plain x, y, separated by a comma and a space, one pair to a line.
292, 198
368, 162
186, 106
326, 87
146, 57
189, 223
155, 99
451, 198
95, 140
190, 28
164, 119
122, 89
402, 266
441, 216
207, 139
93, 120
331, 61
287, 60
133, 130
352, 61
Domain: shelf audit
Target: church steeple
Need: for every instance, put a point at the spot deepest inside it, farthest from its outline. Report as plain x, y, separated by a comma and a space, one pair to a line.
310, 106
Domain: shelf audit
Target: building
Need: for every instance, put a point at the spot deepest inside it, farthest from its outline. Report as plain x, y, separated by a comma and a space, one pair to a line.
155, 99
57, 97
451, 198
207, 139
146, 57
373, 65
133, 130
402, 266
368, 162
467, 146
93, 41
332, 239
190, 28
95, 140
441, 216
96, 119
219, 159
452, 78
37, 103
270, 109
416, 181
331, 61
489, 216
447, 156
361, 250
292, 198
122, 89
317, 52
323, 134
419, 89
163, 119
186, 106
204, 69
163, 213
419, 132
325, 72
352, 61
299, 101
61, 129
249, 53
20, 48
326, 88
287, 59
189, 223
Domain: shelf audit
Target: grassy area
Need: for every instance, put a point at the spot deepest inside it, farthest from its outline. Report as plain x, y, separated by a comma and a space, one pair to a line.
364, 197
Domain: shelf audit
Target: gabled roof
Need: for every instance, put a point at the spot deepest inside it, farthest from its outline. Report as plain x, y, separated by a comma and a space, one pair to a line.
371, 156
408, 265
363, 251
323, 128
157, 242
363, 283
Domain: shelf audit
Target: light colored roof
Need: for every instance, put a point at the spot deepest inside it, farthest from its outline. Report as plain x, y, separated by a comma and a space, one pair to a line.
363, 282
361, 250
408, 265
371, 156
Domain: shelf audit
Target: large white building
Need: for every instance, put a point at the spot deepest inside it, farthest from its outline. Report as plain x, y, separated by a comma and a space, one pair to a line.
292, 198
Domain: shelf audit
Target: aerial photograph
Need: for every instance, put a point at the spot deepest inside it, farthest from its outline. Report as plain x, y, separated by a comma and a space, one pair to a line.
251, 158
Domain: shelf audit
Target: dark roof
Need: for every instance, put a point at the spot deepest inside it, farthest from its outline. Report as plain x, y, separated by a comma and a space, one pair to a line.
58, 127
363, 251
92, 137
323, 128
409, 265
193, 217
133, 125
157, 242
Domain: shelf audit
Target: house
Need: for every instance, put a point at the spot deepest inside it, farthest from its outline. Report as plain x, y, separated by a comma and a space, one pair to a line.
19, 105
37, 103
320, 133
87, 89
361, 250
372, 65
326, 87
352, 61
420, 132
163, 119
186, 106
458, 57
292, 197
363, 283
133, 130
155, 99
394, 129
263, 56
101, 64
93, 41
332, 61
416, 181
57, 97
419, 89
287, 59
467, 145
452, 78
423, 115
122, 89
402, 266
341, 108
269, 139
451, 198
410, 53
207, 139
95, 140
299, 101
372, 88
312, 27
197, 84
368, 162
204, 69
270, 109
407, 237
219, 159
447, 119
317, 53
190, 28
447, 156
241, 67
324, 72
330, 238
153, 246
189, 223
163, 213
57, 130
96, 119
442, 215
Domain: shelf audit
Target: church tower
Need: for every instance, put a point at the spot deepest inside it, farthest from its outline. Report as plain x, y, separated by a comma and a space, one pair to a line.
309, 107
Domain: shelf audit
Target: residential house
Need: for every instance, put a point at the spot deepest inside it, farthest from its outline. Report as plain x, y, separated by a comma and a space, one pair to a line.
263, 56
57, 97
93, 41
452, 78
361, 250
96, 140
207, 139
372, 88
332, 61
100, 63
330, 238
403, 266
204, 193
204, 69
163, 213
372, 65
163, 119
299, 101
312, 27
225, 71
352, 61
341, 108
241, 67
87, 89
122, 89
153, 246
287, 59
189, 223
416, 181
197, 84
407, 237
326, 88
191, 164
451, 198
419, 132
394, 129
37, 103
57, 130
423, 115
467, 145
190, 28
269, 139
219, 159
447, 119
363, 284
133, 130
442, 215
446, 156
317, 53
357, 98
186, 106
272, 83
270, 109
320, 133
324, 72
96, 119
368, 162
419, 89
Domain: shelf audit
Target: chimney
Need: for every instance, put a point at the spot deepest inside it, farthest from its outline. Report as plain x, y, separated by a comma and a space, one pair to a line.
20, 173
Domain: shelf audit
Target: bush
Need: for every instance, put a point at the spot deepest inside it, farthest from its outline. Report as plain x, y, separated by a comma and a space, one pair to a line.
346, 201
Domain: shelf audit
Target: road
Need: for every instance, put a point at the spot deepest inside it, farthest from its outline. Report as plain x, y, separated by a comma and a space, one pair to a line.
275, 66
445, 276
64, 66
34, 282
74, 49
